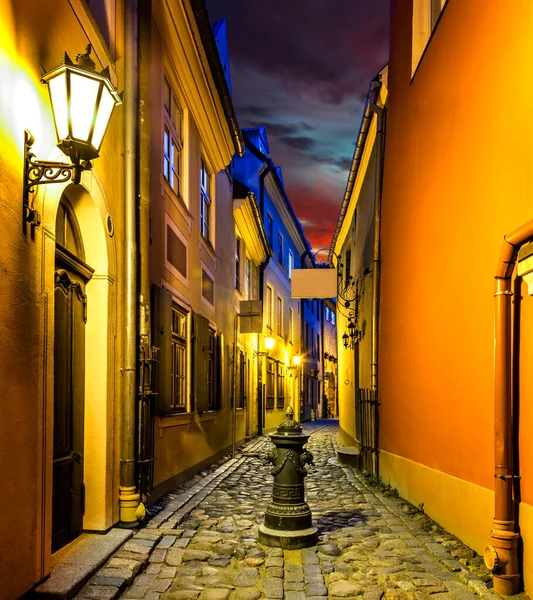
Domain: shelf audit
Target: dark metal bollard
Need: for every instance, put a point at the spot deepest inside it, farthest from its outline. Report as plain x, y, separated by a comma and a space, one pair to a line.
288, 522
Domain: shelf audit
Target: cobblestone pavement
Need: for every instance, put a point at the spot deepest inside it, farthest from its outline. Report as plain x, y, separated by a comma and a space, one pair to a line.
202, 544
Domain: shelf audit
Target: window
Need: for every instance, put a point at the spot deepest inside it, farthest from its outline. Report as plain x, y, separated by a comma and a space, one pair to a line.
270, 384
291, 326
291, 263
280, 249
205, 201
238, 264
247, 278
172, 140
269, 307
327, 313
333, 318
313, 343
280, 317
270, 231
280, 403
426, 13
178, 386
318, 345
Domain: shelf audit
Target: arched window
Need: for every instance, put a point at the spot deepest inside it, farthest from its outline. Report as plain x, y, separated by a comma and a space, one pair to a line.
68, 236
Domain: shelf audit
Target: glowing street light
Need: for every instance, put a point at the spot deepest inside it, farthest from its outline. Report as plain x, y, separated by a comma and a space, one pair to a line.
82, 101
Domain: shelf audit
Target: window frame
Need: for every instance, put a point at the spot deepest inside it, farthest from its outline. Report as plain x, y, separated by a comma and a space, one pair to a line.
172, 142
280, 385
270, 230
279, 316
180, 340
280, 248
291, 263
291, 326
269, 307
248, 278
206, 201
237, 275
270, 384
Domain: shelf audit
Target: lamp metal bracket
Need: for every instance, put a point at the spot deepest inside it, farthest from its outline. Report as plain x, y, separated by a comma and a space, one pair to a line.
39, 172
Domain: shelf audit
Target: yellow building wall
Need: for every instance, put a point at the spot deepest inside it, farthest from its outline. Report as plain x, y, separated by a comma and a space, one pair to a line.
457, 178
34, 34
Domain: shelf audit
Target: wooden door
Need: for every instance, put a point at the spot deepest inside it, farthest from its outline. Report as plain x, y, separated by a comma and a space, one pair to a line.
71, 276
69, 366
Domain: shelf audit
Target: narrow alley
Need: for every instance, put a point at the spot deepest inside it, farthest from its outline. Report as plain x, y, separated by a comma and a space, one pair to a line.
202, 542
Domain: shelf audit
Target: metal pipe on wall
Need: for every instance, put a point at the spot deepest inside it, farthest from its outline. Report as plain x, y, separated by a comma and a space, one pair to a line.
144, 435
376, 261
128, 496
502, 555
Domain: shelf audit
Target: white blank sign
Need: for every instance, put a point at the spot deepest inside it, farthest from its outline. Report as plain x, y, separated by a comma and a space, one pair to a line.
314, 283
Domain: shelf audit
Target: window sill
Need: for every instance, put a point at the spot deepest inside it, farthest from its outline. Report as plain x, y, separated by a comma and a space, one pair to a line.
177, 200
206, 416
208, 247
177, 420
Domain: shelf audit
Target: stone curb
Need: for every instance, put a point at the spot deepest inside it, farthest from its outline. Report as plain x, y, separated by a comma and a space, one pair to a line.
441, 554
126, 568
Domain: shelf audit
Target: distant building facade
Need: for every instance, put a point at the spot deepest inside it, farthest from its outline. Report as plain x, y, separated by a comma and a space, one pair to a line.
281, 381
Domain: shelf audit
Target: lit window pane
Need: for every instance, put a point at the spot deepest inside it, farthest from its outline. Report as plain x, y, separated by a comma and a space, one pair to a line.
104, 113
58, 95
83, 93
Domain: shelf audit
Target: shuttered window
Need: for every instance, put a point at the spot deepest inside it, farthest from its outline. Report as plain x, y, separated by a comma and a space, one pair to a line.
280, 403
270, 391
207, 366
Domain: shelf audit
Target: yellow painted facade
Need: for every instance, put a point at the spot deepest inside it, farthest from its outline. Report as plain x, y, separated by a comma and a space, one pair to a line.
32, 35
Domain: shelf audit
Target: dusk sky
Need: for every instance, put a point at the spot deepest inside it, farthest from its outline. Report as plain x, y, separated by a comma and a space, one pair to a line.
302, 69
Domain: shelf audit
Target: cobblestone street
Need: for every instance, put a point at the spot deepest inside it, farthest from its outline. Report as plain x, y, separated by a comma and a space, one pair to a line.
202, 543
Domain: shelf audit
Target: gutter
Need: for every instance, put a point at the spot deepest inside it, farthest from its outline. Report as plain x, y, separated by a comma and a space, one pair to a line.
208, 40
356, 160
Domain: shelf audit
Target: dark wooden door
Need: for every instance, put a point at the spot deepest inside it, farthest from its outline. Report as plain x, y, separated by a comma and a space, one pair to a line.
69, 365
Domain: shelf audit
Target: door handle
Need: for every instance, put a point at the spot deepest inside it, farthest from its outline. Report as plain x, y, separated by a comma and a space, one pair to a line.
70, 457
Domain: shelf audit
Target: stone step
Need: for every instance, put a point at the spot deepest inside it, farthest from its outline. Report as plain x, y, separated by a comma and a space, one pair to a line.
76, 563
348, 455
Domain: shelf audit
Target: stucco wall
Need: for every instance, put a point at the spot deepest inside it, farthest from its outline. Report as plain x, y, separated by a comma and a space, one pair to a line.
457, 178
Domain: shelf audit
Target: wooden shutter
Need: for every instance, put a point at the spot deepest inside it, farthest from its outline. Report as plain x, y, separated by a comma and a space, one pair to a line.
219, 367
201, 355
162, 338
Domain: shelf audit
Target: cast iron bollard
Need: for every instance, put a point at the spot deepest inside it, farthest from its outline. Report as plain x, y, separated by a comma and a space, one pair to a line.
288, 517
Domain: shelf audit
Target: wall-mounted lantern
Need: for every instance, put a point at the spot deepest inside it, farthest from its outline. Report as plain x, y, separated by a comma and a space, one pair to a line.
270, 342
296, 361
352, 337
82, 101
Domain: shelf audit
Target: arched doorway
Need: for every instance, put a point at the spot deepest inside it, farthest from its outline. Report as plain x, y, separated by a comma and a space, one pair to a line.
70, 316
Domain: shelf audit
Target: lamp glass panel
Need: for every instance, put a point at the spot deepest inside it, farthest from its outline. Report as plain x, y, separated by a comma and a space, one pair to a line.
105, 109
83, 94
58, 95
269, 343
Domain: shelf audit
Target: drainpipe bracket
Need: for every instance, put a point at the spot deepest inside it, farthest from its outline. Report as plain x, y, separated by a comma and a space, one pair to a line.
504, 293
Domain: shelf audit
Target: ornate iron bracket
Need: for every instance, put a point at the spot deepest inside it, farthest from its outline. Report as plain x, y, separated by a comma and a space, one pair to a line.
39, 172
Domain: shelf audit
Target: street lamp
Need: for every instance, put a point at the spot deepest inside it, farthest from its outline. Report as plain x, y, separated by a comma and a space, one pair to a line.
82, 103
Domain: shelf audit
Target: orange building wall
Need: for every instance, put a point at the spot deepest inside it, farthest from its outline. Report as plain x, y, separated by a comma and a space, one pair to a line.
458, 176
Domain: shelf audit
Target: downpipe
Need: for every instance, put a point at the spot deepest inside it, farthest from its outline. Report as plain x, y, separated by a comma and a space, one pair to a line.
129, 497
501, 556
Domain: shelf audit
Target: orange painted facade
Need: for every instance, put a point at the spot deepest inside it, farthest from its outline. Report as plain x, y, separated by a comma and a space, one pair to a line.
457, 178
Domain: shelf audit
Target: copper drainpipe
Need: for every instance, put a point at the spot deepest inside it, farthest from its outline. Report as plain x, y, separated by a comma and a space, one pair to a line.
502, 555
